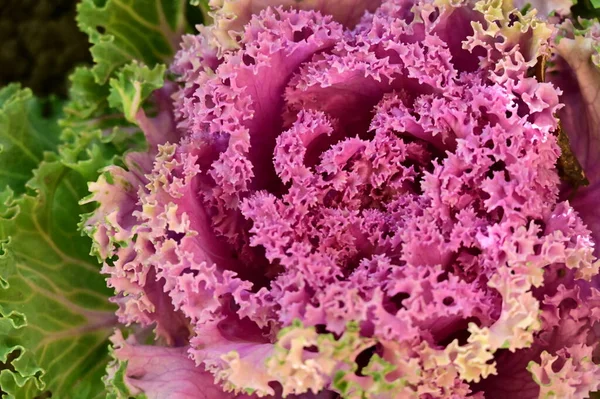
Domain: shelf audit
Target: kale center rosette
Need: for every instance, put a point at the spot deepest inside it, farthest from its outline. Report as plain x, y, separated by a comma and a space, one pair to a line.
361, 202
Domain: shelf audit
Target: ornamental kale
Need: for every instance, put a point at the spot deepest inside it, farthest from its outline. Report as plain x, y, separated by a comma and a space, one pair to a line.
353, 199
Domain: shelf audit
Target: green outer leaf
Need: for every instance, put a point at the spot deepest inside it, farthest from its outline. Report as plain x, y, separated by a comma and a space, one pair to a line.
120, 31
585, 9
134, 83
87, 102
116, 387
55, 316
54, 309
24, 135
93, 132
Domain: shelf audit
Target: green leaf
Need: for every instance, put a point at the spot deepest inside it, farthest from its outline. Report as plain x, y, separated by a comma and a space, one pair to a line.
54, 309
125, 30
87, 106
585, 9
94, 133
115, 384
525, 9
55, 316
133, 84
24, 134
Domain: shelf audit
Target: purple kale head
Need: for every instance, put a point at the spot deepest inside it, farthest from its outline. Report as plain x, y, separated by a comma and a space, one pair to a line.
362, 199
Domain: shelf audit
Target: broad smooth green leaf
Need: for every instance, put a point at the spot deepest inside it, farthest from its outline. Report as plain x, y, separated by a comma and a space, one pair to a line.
54, 307
24, 135
121, 31
55, 316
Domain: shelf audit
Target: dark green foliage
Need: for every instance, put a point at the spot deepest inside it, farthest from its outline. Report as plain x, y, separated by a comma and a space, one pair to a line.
41, 44
588, 9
